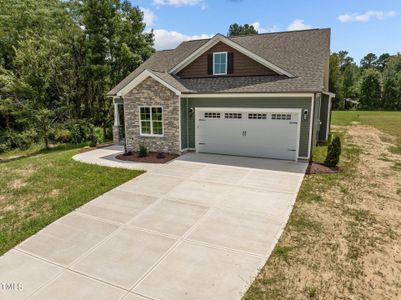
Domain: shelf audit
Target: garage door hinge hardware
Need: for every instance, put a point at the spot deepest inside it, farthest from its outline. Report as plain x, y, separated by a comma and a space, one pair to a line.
293, 122
202, 120
202, 143
293, 150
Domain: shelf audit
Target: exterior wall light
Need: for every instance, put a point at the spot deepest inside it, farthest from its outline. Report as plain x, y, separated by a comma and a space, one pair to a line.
306, 113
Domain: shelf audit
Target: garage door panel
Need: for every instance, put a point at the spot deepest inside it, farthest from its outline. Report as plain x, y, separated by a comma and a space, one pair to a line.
267, 134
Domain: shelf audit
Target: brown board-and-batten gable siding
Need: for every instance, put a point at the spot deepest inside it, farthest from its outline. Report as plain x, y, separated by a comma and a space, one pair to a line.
242, 64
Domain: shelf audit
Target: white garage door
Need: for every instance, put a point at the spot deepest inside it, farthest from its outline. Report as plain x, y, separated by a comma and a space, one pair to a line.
271, 133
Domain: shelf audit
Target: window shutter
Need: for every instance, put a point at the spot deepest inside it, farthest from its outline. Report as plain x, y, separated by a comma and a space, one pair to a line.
210, 64
230, 63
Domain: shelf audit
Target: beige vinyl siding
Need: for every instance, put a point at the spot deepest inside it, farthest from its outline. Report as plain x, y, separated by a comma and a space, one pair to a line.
303, 103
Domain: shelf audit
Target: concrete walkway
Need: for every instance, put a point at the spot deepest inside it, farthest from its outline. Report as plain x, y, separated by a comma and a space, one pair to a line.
199, 227
107, 157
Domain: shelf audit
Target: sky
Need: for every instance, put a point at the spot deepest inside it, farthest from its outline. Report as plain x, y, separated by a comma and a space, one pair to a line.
358, 26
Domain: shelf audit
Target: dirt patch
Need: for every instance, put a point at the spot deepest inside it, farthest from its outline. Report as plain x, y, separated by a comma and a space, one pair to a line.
356, 252
17, 183
26, 171
318, 168
152, 157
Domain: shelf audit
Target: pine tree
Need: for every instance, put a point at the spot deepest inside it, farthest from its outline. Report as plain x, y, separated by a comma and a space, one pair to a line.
371, 90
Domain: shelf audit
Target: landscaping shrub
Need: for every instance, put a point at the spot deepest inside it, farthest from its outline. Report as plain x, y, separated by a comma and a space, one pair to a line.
25, 139
108, 135
10, 140
333, 153
81, 131
143, 151
100, 137
61, 135
93, 138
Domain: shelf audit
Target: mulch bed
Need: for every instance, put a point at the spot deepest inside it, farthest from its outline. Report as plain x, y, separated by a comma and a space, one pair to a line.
152, 157
87, 149
318, 168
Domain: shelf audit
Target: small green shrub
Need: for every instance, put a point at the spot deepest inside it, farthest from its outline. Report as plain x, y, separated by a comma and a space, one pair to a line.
92, 137
81, 131
100, 138
62, 135
143, 151
25, 139
108, 135
4, 147
10, 139
333, 153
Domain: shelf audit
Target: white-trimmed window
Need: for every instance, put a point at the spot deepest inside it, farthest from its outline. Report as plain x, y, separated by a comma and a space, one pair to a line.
151, 120
219, 63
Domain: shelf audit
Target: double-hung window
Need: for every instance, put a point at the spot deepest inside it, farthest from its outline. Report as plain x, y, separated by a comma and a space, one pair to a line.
220, 63
151, 120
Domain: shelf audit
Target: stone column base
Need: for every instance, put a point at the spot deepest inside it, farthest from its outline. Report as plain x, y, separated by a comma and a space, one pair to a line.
116, 135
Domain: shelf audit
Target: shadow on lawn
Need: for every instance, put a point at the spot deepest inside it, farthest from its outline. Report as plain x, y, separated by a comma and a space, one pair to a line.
53, 148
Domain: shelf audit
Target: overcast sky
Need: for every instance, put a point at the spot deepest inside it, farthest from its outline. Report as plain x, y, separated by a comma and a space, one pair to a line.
358, 26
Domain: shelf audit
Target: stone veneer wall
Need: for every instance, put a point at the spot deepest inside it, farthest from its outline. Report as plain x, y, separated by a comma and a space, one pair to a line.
152, 93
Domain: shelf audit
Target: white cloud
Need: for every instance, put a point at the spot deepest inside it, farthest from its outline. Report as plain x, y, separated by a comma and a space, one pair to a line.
165, 39
148, 16
258, 27
177, 2
379, 15
298, 25
262, 29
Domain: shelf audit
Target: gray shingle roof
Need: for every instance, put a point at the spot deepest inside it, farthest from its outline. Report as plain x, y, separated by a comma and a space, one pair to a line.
304, 54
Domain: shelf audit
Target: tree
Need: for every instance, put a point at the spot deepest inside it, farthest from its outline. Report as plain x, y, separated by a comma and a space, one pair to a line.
392, 83
350, 74
63, 56
344, 59
335, 79
236, 29
382, 61
43, 121
371, 90
391, 91
115, 44
369, 61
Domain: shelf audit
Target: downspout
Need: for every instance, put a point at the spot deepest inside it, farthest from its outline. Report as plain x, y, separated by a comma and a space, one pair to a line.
186, 125
312, 115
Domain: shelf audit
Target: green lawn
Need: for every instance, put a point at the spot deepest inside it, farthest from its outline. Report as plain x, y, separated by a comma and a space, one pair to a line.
386, 121
40, 187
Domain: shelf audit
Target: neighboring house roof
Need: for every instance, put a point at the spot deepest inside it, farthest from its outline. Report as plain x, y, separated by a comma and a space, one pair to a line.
302, 54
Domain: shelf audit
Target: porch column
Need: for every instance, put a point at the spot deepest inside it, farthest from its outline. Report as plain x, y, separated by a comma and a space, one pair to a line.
116, 115
117, 125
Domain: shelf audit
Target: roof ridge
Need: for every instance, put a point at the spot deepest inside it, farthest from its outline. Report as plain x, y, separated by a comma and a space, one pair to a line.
280, 32
256, 34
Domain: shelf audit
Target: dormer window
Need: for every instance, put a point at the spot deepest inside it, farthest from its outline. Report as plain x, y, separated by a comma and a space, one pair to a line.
219, 63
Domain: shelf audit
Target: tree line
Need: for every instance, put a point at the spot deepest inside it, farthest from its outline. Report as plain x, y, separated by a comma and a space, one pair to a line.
58, 59
375, 84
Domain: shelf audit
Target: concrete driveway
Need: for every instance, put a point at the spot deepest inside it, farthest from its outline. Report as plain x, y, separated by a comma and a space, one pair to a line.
199, 227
